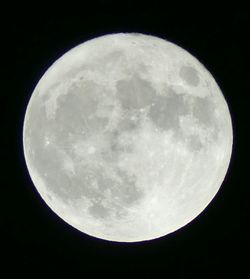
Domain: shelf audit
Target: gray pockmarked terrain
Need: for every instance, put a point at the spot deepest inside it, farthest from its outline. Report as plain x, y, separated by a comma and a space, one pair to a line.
127, 137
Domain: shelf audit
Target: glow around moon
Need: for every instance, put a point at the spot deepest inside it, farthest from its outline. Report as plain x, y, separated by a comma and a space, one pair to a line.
127, 137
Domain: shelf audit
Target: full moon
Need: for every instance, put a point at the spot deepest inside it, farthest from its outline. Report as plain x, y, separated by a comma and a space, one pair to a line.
127, 137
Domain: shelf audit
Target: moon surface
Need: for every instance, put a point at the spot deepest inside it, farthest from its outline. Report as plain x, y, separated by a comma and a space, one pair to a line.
127, 137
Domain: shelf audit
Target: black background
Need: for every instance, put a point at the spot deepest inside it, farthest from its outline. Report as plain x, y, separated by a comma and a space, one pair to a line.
36, 240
